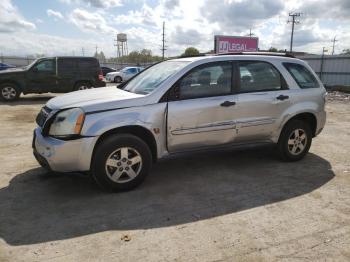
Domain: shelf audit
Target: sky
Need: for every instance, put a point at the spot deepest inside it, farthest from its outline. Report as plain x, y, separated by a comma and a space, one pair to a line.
76, 27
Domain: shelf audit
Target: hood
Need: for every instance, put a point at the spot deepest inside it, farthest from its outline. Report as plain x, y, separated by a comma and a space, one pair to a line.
12, 71
95, 99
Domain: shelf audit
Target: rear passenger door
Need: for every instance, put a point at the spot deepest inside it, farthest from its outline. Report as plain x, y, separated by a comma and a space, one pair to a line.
67, 72
130, 72
262, 97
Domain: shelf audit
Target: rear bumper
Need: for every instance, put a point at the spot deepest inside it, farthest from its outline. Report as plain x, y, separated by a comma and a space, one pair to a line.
63, 156
321, 121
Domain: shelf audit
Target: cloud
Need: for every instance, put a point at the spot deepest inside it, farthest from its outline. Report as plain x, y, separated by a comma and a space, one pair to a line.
96, 3
29, 43
186, 37
90, 21
55, 14
240, 15
146, 16
11, 20
336, 9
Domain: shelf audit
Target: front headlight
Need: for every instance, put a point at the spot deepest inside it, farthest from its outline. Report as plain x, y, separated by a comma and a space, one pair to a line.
67, 123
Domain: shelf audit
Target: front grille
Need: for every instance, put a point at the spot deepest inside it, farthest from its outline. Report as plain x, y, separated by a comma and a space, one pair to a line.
42, 116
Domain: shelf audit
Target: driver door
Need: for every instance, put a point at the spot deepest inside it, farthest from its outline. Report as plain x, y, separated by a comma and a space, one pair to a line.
200, 113
42, 76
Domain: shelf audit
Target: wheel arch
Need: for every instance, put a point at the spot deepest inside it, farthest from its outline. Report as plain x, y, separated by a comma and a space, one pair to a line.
81, 81
13, 82
306, 117
138, 131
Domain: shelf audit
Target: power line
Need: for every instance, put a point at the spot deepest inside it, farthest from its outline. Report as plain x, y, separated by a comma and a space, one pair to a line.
163, 41
294, 21
334, 40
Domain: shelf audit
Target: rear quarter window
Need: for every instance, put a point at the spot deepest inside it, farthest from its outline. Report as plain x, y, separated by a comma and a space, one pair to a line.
303, 77
88, 65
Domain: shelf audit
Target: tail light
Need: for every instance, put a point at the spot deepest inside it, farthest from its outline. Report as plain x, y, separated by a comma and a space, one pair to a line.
100, 75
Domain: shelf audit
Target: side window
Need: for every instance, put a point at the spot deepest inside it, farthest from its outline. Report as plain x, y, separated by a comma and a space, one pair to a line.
205, 81
88, 65
132, 70
46, 66
258, 76
67, 66
301, 75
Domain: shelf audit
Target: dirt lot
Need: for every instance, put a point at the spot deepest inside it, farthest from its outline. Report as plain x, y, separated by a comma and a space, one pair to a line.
242, 205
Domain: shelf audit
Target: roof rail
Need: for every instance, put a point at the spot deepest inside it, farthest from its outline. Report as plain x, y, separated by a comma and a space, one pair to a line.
259, 53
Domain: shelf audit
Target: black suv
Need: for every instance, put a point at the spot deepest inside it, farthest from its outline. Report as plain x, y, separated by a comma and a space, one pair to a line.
51, 74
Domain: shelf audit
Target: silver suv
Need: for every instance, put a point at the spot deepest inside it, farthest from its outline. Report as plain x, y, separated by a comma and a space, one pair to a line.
181, 105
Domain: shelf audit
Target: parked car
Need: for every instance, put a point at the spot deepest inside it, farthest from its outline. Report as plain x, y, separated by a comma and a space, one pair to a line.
6, 66
124, 74
51, 74
106, 70
181, 105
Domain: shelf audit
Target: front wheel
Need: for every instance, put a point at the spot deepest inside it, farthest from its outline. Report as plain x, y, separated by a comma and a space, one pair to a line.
9, 92
295, 140
121, 162
118, 79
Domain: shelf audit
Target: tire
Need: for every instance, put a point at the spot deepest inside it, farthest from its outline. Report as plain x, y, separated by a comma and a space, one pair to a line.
118, 79
82, 86
9, 92
295, 140
116, 153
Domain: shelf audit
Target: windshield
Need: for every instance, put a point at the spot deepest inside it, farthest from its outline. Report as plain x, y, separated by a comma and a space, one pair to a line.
150, 79
30, 65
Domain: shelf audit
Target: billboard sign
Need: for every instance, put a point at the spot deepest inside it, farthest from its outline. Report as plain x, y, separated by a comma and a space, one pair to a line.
235, 44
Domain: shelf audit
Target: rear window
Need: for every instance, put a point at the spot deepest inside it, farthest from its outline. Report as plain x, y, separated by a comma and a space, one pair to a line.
301, 75
88, 64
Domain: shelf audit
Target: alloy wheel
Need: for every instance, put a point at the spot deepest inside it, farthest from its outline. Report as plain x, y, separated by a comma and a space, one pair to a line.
8, 92
297, 141
123, 165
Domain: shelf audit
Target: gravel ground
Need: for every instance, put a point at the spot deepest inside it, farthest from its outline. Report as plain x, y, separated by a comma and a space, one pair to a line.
242, 205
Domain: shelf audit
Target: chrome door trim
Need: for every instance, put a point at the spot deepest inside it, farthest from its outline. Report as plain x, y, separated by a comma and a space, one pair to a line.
205, 128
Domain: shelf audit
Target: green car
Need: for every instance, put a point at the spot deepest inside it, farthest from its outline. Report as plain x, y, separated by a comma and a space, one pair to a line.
51, 74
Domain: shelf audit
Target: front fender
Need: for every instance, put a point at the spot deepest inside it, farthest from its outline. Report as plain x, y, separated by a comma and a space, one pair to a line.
151, 117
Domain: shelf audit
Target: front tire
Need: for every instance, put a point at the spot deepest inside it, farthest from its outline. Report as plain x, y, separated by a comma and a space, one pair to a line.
295, 140
9, 92
121, 162
118, 79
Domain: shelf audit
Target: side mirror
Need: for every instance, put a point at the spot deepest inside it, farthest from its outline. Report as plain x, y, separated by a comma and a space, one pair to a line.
35, 70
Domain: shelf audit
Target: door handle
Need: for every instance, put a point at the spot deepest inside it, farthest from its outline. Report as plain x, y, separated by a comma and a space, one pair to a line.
228, 103
282, 97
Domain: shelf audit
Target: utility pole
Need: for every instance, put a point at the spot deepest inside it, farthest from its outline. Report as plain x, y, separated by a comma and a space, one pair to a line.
334, 40
294, 21
96, 47
322, 58
83, 51
250, 33
163, 41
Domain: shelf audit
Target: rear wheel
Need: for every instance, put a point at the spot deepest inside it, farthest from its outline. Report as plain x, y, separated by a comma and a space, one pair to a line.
295, 140
82, 86
121, 162
118, 79
9, 92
